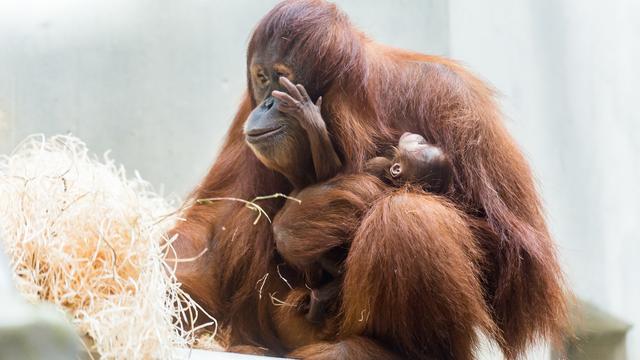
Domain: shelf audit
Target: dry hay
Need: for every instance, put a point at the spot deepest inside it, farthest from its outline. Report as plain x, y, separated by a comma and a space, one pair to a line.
83, 236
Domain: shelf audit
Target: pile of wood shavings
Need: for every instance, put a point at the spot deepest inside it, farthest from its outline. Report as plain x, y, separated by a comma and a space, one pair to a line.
81, 235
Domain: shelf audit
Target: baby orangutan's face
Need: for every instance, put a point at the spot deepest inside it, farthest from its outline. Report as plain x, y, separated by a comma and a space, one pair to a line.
411, 157
417, 162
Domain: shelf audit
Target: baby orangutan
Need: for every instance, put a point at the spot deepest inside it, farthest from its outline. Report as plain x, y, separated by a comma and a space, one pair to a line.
413, 162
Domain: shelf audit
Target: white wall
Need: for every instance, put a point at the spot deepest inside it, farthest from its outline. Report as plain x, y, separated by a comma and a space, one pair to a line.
568, 72
158, 81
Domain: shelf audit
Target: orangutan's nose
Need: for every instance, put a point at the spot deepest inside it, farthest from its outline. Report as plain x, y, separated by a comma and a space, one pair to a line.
268, 103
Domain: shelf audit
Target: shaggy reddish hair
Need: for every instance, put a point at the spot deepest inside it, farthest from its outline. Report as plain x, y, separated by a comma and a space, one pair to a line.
372, 94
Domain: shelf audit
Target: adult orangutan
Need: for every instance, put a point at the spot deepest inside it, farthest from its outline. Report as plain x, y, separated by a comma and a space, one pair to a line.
488, 235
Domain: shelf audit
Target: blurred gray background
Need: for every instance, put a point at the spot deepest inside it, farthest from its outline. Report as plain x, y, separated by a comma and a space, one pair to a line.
158, 83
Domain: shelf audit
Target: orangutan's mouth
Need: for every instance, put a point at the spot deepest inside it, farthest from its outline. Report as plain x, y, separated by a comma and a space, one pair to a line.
255, 135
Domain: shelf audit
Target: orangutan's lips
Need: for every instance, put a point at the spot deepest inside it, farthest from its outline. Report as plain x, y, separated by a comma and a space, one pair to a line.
257, 134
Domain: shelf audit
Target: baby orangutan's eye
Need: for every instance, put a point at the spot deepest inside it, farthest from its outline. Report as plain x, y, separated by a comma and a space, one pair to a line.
395, 170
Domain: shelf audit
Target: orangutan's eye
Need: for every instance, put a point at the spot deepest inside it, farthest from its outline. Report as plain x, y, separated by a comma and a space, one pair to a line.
282, 70
262, 78
395, 170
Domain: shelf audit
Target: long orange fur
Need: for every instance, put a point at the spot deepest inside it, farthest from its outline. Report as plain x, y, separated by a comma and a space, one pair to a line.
372, 94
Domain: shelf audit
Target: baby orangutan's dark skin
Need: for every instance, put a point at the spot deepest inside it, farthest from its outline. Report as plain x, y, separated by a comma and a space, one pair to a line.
414, 162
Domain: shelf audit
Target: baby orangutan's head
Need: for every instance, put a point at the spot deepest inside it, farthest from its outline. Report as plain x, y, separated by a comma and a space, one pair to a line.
414, 161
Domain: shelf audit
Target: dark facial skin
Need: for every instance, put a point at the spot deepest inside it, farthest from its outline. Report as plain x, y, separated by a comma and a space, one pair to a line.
414, 162
286, 130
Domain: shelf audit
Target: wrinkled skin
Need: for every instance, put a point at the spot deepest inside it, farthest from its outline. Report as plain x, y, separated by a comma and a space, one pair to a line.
285, 126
